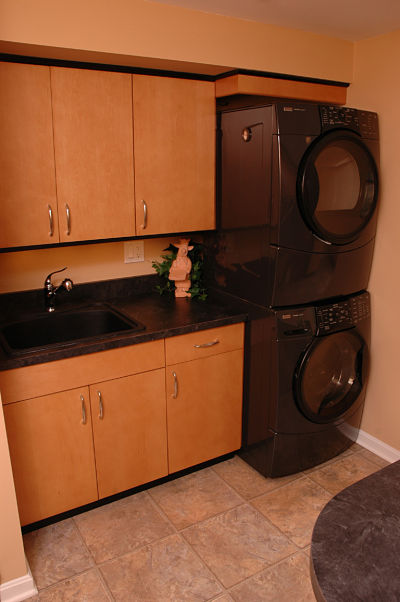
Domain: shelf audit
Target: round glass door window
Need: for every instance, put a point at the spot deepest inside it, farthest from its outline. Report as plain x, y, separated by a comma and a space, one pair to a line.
337, 187
331, 375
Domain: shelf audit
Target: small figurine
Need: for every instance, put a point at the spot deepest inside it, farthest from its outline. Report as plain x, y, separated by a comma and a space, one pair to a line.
180, 268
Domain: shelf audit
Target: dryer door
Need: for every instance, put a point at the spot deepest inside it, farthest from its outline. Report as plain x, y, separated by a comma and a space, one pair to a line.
337, 187
331, 376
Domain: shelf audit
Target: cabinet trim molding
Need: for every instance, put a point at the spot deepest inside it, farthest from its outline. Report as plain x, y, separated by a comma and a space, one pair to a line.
280, 88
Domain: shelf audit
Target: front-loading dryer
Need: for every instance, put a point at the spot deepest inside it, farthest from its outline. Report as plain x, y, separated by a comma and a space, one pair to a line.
317, 360
298, 195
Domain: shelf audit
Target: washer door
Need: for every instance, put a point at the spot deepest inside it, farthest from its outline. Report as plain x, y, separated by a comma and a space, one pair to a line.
331, 375
337, 187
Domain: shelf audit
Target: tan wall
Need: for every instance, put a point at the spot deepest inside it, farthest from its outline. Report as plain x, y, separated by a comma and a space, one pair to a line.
25, 270
377, 87
147, 29
12, 558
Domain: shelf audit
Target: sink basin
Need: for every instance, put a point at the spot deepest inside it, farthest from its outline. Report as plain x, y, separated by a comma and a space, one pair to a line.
60, 329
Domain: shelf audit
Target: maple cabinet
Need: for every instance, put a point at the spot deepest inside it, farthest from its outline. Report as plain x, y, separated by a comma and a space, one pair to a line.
204, 395
93, 145
51, 448
87, 427
76, 143
28, 198
129, 430
174, 142
63, 456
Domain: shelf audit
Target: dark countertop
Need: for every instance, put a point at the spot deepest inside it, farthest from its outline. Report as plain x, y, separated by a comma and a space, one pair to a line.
162, 316
355, 550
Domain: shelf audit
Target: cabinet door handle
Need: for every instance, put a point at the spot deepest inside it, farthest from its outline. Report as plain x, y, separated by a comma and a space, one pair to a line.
51, 222
144, 225
210, 344
101, 409
175, 393
83, 410
68, 214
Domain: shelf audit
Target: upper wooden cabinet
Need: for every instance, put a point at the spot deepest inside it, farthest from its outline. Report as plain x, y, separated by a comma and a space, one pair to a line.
71, 149
174, 134
93, 141
27, 175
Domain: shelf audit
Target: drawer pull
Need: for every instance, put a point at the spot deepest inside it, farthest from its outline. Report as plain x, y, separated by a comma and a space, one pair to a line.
175, 393
144, 225
51, 221
210, 344
101, 409
68, 213
83, 410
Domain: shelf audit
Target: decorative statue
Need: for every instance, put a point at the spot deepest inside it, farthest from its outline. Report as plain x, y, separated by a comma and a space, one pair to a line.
180, 268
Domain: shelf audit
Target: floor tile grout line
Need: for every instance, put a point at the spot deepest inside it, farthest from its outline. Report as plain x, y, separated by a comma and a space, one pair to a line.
298, 548
266, 568
161, 512
103, 581
269, 521
295, 478
179, 533
243, 501
69, 578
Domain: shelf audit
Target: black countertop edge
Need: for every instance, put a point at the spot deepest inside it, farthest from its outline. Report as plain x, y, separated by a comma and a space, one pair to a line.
162, 316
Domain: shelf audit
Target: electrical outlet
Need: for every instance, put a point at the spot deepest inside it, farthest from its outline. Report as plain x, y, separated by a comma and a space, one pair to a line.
133, 251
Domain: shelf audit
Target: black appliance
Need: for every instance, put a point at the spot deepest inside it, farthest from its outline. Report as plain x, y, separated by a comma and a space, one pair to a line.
308, 368
298, 193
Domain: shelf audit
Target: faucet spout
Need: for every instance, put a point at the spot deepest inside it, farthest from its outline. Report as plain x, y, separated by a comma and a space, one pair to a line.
50, 290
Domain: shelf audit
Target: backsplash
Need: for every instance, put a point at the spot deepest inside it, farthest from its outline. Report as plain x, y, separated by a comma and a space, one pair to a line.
27, 270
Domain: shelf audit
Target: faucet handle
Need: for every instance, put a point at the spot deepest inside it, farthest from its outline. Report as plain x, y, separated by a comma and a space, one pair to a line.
48, 279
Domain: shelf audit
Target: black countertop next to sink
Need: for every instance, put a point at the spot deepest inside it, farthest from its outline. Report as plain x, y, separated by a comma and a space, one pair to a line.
355, 550
135, 297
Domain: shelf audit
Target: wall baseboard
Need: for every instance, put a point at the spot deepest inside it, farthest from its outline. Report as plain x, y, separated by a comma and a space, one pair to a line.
378, 447
18, 589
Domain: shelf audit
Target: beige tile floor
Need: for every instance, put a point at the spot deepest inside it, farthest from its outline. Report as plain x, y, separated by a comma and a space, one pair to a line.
223, 533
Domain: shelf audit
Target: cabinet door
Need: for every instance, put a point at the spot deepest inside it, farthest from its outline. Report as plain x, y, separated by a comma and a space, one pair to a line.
174, 132
51, 448
27, 175
129, 427
94, 153
204, 403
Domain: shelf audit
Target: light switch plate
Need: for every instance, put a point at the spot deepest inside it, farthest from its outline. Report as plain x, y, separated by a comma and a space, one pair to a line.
133, 251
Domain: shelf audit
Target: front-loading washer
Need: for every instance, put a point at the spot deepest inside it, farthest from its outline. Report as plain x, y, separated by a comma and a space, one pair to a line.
298, 195
317, 360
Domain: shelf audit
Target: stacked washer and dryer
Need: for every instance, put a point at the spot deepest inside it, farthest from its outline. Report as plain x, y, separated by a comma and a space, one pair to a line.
298, 193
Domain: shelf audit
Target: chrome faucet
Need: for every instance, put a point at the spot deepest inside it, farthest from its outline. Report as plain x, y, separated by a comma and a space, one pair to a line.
50, 290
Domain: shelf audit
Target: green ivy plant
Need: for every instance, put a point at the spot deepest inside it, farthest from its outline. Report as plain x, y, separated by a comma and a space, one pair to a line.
197, 289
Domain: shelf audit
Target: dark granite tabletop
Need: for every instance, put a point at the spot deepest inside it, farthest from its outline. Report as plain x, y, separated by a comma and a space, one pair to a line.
162, 316
355, 550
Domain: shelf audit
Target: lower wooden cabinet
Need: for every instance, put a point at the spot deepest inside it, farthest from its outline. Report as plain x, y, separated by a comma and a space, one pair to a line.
51, 448
71, 447
129, 431
204, 409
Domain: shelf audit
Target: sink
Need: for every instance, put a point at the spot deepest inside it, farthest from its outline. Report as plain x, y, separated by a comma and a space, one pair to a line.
63, 328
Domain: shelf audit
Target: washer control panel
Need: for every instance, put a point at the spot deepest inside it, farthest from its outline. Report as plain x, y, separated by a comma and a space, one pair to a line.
343, 314
364, 122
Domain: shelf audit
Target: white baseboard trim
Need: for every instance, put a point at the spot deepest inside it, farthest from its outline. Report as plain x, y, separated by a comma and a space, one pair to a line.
18, 589
378, 447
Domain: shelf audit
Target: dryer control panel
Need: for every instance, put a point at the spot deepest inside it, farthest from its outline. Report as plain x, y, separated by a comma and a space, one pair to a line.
343, 314
364, 122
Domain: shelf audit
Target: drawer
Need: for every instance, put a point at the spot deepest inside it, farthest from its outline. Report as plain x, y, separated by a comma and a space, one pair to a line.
51, 377
203, 343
